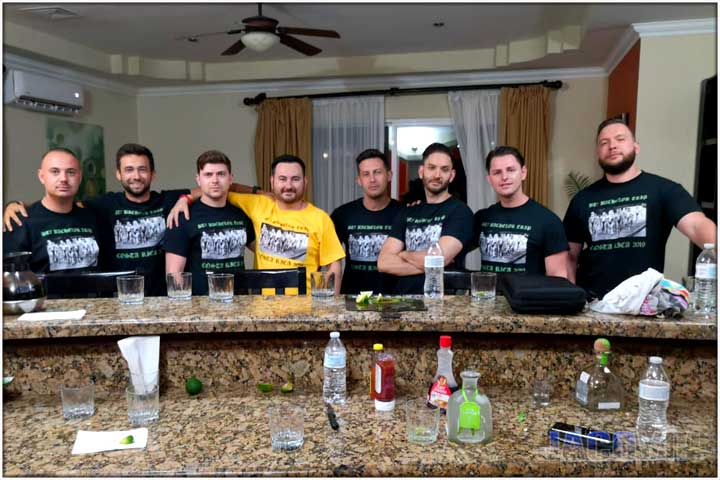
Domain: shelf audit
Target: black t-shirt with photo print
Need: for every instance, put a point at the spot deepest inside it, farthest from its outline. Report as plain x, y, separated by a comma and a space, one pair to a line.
134, 234
624, 227
419, 227
517, 239
58, 241
213, 240
363, 233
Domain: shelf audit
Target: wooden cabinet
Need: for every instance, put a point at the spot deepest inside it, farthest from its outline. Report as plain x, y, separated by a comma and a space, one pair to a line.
706, 165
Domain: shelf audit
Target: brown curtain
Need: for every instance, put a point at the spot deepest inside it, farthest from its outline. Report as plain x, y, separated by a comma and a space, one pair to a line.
524, 125
284, 126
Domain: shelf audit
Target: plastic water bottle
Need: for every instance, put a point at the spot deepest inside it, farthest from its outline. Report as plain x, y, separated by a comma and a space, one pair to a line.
334, 370
434, 270
705, 281
653, 398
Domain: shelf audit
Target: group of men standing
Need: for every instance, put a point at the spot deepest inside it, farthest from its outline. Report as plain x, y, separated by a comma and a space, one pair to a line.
209, 227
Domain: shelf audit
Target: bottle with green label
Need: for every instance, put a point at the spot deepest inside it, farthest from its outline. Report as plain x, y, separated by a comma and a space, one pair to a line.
469, 414
598, 388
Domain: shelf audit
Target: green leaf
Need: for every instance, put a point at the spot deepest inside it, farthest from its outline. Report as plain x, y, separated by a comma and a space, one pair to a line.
576, 181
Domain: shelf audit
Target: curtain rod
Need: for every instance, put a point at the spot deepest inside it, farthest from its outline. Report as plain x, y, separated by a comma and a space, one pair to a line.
260, 97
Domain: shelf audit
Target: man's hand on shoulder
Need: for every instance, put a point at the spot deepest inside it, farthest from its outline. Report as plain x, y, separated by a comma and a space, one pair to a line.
11, 215
181, 206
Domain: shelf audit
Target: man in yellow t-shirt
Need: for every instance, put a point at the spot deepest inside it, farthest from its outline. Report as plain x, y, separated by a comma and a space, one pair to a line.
289, 231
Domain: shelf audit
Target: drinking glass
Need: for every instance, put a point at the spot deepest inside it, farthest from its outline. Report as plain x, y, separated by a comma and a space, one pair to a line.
131, 289
287, 426
482, 285
143, 407
221, 287
78, 400
322, 285
421, 422
179, 285
542, 389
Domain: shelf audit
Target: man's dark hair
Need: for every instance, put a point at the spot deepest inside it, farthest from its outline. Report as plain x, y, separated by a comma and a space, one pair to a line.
503, 150
612, 121
134, 149
60, 149
287, 159
436, 148
372, 153
213, 156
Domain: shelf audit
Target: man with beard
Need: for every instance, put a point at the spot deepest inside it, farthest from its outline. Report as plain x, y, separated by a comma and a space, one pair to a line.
443, 219
120, 211
290, 216
56, 225
609, 259
363, 224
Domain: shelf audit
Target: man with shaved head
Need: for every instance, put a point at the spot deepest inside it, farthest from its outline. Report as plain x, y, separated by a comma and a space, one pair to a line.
60, 235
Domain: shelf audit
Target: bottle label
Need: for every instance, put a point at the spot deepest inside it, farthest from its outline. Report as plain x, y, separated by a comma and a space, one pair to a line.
659, 392
439, 393
703, 270
336, 360
608, 405
434, 261
581, 388
469, 413
378, 379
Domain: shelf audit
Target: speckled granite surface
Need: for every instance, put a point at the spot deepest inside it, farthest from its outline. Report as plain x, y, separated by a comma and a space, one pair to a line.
242, 359
226, 434
158, 315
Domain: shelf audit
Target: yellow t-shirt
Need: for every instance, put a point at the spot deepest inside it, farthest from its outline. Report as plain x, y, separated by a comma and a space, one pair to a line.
289, 238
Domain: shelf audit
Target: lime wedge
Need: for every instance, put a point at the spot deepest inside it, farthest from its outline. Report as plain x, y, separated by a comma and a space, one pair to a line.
265, 387
127, 440
363, 297
287, 388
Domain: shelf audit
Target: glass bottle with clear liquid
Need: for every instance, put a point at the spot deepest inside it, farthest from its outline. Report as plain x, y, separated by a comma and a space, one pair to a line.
598, 388
469, 413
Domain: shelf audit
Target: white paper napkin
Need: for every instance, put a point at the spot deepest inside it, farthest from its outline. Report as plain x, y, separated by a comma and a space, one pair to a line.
143, 358
39, 316
92, 442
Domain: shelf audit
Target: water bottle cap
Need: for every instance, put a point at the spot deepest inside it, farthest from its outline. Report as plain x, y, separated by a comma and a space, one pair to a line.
445, 341
708, 246
656, 360
334, 334
377, 347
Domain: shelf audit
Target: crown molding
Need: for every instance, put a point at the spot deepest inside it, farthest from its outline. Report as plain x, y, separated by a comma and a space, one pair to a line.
17, 62
626, 42
678, 27
379, 82
419, 80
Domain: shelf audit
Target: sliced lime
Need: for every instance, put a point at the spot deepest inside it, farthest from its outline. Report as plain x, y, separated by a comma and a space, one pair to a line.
287, 388
265, 387
127, 440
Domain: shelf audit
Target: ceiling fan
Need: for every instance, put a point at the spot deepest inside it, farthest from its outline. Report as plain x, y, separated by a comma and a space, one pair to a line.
260, 33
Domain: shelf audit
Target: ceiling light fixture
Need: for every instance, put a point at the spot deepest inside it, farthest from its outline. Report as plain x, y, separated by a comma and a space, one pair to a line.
259, 41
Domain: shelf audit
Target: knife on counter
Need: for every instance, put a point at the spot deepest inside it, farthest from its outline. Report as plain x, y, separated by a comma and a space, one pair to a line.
332, 417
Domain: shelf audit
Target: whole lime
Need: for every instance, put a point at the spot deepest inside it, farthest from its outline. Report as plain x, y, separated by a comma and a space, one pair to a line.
193, 386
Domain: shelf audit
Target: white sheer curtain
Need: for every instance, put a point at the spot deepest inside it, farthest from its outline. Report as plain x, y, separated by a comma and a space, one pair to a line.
475, 118
342, 128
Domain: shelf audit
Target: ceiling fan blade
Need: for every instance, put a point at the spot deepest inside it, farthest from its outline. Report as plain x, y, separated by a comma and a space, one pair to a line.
234, 48
313, 32
299, 45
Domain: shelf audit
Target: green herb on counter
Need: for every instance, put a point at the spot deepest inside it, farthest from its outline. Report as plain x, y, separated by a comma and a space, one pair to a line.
521, 417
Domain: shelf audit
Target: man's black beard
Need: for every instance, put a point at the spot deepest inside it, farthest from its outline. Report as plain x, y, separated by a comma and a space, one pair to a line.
621, 167
129, 191
443, 188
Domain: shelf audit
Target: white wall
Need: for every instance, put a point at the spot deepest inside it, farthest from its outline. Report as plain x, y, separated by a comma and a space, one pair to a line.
671, 70
24, 140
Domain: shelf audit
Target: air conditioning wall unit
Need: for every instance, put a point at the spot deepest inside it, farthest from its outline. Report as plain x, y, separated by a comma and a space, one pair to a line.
38, 92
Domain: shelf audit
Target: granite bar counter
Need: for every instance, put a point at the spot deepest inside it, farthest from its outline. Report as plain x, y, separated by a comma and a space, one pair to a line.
158, 315
226, 434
